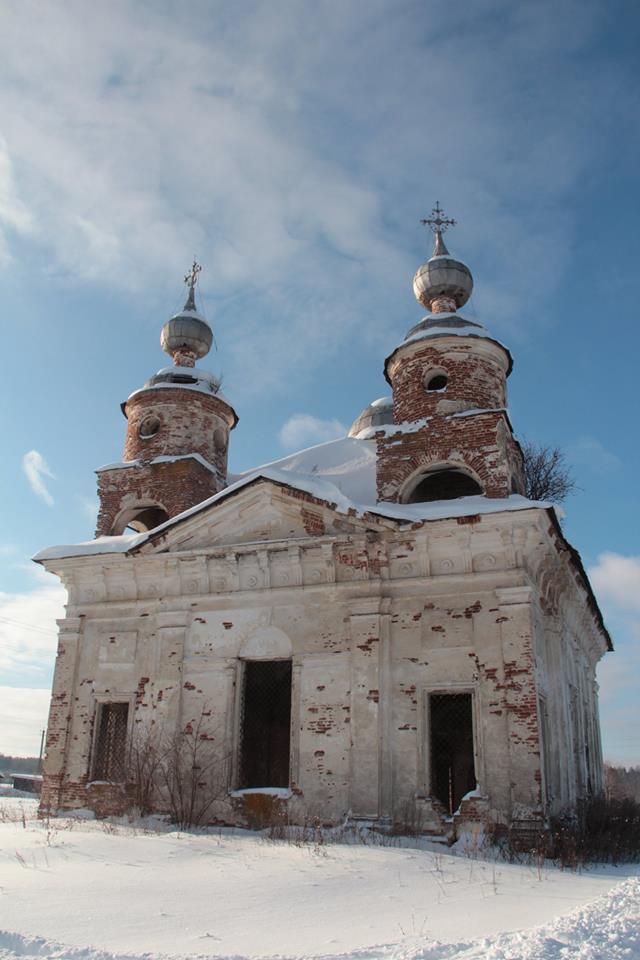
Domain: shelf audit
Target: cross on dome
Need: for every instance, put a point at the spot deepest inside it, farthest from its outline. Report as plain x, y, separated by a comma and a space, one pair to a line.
191, 279
443, 284
436, 222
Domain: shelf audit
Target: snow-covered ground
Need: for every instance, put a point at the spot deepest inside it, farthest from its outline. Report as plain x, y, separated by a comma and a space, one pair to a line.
86, 890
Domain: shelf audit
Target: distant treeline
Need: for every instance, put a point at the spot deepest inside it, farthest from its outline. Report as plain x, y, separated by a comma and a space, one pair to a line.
9, 764
622, 783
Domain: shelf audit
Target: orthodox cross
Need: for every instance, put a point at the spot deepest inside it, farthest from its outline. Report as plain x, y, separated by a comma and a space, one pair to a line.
437, 222
191, 278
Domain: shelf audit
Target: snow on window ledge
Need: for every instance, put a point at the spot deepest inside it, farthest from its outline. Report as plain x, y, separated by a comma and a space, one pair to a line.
283, 792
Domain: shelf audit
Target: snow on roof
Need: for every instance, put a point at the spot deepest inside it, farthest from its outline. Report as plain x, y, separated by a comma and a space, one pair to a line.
86, 548
341, 472
198, 372
123, 464
348, 464
206, 382
390, 429
465, 330
461, 507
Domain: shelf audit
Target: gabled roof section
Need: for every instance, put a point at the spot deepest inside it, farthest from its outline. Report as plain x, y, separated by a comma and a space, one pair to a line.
337, 476
340, 474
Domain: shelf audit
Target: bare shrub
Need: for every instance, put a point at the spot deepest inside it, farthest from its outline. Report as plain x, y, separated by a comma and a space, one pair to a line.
410, 821
182, 772
601, 830
546, 472
145, 756
194, 776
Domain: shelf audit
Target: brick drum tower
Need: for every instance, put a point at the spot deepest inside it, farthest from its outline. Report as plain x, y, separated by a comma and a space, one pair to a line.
448, 378
178, 423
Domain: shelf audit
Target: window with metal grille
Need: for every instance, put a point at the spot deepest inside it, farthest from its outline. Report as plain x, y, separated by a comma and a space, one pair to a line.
265, 731
111, 742
452, 754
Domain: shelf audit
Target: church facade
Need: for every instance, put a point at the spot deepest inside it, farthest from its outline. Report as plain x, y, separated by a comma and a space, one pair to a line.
382, 627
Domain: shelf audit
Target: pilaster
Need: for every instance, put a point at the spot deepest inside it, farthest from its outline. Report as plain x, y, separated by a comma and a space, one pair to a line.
520, 700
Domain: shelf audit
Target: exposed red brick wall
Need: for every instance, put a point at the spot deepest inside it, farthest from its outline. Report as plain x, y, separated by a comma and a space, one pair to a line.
105, 799
175, 485
478, 442
190, 422
475, 379
476, 373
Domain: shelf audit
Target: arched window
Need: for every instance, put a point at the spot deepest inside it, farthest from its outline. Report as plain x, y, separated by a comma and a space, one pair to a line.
139, 518
444, 485
148, 519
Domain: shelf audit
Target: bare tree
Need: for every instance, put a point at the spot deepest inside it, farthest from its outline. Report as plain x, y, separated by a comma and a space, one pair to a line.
547, 473
621, 783
146, 756
183, 772
193, 773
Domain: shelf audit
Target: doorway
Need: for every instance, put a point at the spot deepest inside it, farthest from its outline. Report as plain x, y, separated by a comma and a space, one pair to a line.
265, 731
451, 748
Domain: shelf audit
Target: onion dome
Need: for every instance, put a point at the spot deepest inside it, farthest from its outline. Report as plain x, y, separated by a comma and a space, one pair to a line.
377, 414
187, 336
442, 284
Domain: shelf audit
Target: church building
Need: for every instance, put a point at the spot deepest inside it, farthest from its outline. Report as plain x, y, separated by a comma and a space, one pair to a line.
380, 627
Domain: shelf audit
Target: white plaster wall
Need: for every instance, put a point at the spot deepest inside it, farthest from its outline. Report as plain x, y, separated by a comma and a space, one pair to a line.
373, 621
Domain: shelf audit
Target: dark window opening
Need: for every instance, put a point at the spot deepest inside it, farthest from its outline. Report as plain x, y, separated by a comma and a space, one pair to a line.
111, 742
445, 485
147, 519
452, 764
437, 382
149, 427
266, 724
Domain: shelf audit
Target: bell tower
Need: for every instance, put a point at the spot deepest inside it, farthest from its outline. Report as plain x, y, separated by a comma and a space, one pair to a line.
452, 435
178, 425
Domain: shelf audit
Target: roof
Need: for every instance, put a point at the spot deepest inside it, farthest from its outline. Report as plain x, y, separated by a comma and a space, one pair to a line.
448, 325
342, 473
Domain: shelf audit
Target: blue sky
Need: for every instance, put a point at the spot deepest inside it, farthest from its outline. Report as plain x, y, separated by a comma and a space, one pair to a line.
294, 147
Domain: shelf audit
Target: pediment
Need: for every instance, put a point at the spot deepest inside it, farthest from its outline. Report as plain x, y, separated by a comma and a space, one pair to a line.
260, 511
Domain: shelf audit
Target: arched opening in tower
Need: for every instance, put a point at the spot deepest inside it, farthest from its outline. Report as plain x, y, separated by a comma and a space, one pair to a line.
148, 519
139, 519
444, 485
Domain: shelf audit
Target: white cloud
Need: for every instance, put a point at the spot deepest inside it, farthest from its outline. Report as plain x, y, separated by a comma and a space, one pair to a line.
593, 454
281, 143
616, 580
28, 633
36, 469
303, 430
23, 715
13, 214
